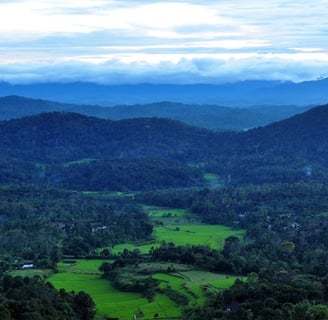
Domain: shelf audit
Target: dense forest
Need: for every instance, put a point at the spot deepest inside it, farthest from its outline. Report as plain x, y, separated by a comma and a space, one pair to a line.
75, 187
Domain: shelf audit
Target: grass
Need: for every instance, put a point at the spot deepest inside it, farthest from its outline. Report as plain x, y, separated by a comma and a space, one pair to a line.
211, 177
144, 248
112, 302
191, 283
81, 266
169, 216
123, 305
160, 213
181, 227
198, 234
219, 281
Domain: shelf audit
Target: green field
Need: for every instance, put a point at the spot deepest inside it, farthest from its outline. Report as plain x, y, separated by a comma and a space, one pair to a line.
154, 212
143, 248
83, 275
177, 225
83, 266
211, 177
170, 216
110, 301
198, 234
181, 227
193, 234
194, 284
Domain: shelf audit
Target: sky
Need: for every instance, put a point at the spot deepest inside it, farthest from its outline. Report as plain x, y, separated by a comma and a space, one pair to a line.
135, 41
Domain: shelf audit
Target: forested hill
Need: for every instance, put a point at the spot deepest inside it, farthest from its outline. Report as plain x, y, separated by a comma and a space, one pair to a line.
304, 135
61, 136
212, 117
74, 146
17, 107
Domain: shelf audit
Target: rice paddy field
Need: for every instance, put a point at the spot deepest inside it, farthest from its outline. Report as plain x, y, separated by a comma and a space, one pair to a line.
172, 225
83, 275
183, 228
196, 234
110, 301
82, 266
195, 283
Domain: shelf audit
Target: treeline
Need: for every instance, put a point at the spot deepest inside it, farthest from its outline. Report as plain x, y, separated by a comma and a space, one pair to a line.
296, 298
125, 175
35, 220
31, 298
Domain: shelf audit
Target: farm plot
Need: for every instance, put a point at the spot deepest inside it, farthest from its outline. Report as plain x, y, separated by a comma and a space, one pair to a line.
197, 234
110, 301
194, 284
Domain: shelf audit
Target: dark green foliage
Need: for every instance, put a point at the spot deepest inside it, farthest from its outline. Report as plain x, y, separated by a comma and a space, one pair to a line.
74, 151
63, 137
26, 298
265, 299
35, 220
140, 174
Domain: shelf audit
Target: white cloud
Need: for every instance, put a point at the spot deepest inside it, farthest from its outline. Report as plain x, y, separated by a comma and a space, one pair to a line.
203, 40
190, 69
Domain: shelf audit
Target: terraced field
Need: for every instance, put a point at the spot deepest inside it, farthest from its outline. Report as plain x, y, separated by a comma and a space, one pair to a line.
83, 276
194, 284
170, 225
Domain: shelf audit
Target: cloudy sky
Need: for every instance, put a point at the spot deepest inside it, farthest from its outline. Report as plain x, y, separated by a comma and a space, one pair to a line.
132, 41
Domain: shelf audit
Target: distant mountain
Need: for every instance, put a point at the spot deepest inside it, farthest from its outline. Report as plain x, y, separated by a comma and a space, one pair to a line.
18, 107
73, 150
236, 94
62, 136
205, 116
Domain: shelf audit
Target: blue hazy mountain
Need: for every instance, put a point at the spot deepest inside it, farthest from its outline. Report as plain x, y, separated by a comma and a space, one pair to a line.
206, 116
237, 94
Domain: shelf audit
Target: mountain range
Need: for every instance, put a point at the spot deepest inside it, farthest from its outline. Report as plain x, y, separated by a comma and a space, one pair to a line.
206, 116
66, 148
237, 94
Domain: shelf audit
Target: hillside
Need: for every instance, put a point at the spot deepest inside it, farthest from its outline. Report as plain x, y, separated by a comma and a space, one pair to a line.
205, 116
212, 117
72, 150
303, 135
61, 136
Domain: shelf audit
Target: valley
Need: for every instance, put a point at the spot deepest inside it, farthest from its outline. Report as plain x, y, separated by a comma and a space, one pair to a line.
151, 218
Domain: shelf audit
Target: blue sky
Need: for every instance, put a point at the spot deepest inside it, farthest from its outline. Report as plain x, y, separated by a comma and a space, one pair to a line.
135, 41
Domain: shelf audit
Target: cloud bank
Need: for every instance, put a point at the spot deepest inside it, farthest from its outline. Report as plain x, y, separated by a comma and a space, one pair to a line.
162, 41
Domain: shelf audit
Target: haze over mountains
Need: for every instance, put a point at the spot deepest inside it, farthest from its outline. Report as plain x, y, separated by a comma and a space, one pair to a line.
206, 116
238, 94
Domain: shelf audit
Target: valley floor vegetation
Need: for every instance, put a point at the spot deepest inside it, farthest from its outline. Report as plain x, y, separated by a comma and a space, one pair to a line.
153, 219
252, 251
